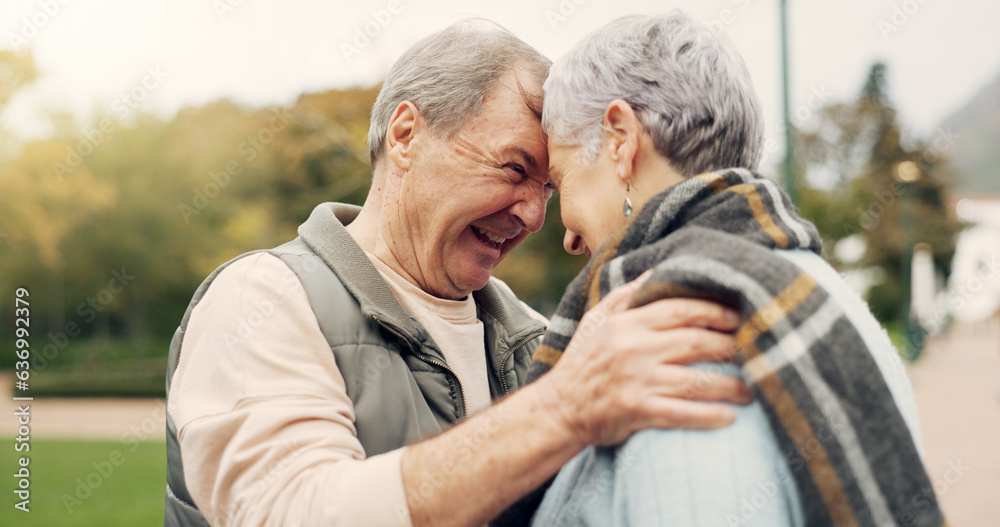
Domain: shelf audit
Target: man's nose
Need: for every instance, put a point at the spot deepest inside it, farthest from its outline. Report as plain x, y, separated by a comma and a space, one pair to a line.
572, 242
530, 209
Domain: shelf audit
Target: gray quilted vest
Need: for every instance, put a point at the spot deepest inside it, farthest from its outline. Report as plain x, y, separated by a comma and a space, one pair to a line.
397, 378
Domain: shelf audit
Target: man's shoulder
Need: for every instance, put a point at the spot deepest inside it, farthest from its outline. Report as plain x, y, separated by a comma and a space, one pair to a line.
247, 275
279, 267
272, 275
280, 280
260, 263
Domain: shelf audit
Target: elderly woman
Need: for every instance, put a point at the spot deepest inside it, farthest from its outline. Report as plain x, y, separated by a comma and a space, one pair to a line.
653, 130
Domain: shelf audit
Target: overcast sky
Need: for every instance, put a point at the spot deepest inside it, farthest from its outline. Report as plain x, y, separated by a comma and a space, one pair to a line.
263, 52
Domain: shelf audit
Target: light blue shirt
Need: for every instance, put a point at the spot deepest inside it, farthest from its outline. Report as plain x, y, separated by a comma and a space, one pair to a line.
733, 476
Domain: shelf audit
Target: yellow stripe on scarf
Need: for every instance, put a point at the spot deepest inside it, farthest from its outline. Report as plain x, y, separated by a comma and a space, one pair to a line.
809, 447
713, 179
760, 214
775, 310
547, 355
785, 407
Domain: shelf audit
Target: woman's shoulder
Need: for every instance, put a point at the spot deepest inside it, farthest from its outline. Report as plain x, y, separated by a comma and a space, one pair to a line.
871, 331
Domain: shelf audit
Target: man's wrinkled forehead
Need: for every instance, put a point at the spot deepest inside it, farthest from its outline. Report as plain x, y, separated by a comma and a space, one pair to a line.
519, 151
509, 120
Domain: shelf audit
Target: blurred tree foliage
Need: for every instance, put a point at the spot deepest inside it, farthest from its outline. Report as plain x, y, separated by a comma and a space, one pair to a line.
112, 223
847, 164
17, 70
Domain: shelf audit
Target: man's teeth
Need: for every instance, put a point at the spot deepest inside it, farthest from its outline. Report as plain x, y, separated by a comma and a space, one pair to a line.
492, 237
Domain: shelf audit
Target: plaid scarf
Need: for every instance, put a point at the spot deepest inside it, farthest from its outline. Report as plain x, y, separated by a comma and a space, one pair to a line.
712, 237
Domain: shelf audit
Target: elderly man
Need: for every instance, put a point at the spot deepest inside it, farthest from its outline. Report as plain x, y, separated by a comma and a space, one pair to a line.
346, 378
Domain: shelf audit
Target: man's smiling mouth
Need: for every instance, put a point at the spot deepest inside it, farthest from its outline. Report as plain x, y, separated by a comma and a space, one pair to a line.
488, 238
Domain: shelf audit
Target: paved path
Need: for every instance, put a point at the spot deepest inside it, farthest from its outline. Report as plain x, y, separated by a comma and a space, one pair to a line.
108, 419
957, 385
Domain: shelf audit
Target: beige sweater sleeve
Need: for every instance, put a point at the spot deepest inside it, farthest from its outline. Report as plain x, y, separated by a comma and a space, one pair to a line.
265, 424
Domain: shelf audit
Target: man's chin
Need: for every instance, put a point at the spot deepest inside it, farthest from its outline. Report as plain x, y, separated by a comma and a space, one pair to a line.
479, 281
469, 281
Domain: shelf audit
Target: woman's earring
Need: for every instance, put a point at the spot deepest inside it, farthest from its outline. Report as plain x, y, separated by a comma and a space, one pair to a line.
627, 208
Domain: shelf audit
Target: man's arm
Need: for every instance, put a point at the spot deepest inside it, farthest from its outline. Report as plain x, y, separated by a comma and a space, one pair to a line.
627, 375
265, 423
266, 426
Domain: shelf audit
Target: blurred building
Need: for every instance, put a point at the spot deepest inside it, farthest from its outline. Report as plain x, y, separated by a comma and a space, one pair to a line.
973, 133
974, 286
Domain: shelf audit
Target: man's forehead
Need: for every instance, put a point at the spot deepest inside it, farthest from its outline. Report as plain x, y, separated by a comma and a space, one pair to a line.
529, 159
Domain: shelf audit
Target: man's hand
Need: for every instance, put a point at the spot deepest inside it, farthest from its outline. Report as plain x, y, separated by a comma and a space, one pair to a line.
622, 372
625, 369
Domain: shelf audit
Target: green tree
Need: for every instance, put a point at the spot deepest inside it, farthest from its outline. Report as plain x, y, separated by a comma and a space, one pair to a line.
849, 163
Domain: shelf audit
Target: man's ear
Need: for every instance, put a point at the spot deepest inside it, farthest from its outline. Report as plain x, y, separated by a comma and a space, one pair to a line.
403, 126
623, 132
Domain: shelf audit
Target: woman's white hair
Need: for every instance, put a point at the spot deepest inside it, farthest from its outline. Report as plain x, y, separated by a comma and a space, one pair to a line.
687, 85
447, 74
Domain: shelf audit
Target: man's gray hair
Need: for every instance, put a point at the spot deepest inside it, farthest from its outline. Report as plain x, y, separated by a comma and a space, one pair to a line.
447, 74
687, 85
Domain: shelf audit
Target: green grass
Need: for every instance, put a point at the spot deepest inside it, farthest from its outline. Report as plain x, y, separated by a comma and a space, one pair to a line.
130, 495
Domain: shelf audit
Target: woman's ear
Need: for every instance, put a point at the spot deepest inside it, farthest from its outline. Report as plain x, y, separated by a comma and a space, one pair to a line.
402, 127
623, 130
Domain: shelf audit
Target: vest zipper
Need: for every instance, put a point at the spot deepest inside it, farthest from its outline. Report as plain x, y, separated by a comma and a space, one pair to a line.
429, 360
435, 362
506, 357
